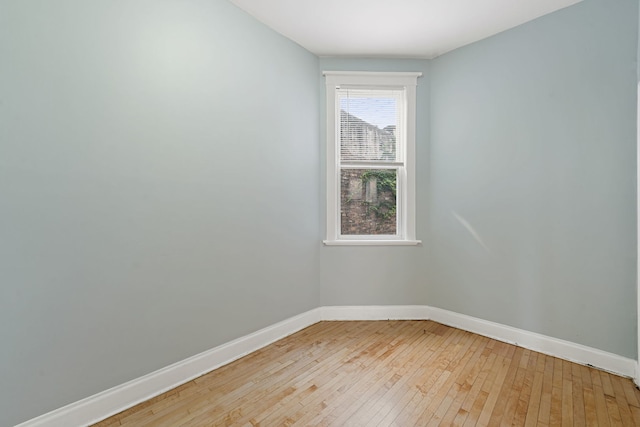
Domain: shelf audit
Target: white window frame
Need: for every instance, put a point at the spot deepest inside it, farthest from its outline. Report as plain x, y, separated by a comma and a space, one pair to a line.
406, 195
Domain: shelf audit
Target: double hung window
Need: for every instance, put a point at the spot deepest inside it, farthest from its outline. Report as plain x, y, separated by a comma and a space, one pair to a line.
371, 158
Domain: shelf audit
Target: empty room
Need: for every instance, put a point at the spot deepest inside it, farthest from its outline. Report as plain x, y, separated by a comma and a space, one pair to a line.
295, 212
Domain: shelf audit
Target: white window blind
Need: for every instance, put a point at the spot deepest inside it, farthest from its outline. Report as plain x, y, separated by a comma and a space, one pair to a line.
371, 125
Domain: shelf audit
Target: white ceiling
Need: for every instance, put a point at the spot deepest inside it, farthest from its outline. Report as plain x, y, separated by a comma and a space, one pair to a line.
393, 28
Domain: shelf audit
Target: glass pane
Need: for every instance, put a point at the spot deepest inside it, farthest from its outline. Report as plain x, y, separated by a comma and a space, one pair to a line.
368, 202
368, 123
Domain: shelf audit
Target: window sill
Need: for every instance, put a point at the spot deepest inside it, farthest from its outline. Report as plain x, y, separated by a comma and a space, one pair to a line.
372, 242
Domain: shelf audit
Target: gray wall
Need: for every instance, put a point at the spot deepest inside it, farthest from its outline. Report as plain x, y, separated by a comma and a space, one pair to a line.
382, 275
533, 147
159, 182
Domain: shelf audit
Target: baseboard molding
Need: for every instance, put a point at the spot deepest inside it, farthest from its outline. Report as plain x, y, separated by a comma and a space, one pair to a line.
110, 402
105, 404
541, 343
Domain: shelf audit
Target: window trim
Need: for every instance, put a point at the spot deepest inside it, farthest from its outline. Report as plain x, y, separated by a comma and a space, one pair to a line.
407, 212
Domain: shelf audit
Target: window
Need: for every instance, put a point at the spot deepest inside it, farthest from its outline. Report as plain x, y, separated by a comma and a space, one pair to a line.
371, 158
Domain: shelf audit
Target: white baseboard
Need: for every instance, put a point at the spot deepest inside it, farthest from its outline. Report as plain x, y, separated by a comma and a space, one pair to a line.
110, 402
541, 343
102, 405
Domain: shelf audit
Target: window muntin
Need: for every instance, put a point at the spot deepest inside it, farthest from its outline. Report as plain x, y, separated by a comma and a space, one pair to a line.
370, 176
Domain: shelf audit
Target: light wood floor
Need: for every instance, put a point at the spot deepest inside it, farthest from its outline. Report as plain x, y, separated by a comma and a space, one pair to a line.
393, 373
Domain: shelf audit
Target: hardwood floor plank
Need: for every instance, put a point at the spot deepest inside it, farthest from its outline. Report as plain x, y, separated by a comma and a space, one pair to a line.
393, 400
492, 397
364, 359
455, 415
438, 406
591, 416
456, 385
362, 394
368, 407
631, 392
635, 413
614, 412
527, 415
567, 395
431, 339
480, 392
606, 383
505, 392
516, 408
588, 397
392, 373
577, 393
598, 394
547, 385
621, 401
601, 406
555, 414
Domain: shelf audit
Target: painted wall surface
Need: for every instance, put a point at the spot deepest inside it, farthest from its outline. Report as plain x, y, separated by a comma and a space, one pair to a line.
637, 376
381, 275
532, 172
159, 182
